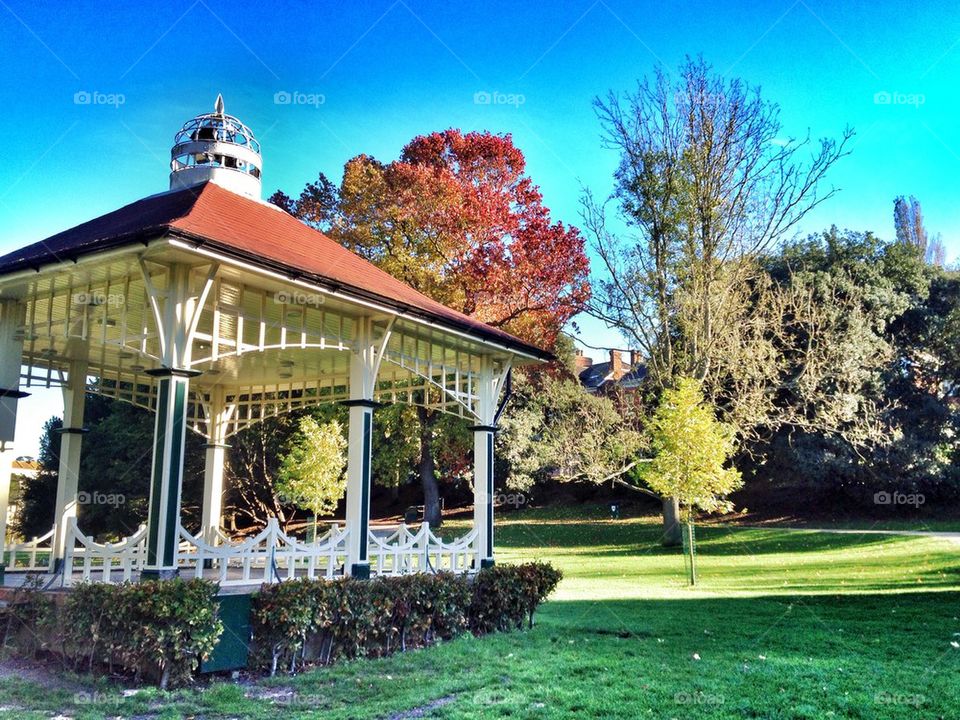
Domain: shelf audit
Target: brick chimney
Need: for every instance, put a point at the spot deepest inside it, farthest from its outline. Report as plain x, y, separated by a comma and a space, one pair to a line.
616, 365
581, 361
635, 359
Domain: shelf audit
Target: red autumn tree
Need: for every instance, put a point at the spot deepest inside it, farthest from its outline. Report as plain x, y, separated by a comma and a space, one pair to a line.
457, 218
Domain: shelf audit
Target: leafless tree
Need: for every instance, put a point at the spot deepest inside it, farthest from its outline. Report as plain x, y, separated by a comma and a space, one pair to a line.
705, 184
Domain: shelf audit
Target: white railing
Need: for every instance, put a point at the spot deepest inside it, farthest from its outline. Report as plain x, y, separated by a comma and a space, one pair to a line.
456, 556
271, 555
23, 556
402, 552
106, 562
399, 552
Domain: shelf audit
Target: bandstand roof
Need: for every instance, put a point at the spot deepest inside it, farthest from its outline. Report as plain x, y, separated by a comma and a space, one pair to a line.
255, 232
281, 301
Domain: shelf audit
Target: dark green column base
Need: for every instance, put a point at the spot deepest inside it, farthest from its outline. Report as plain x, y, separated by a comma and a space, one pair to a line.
164, 574
486, 563
360, 571
3, 570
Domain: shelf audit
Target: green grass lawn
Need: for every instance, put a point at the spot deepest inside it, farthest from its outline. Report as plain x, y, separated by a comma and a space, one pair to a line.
783, 625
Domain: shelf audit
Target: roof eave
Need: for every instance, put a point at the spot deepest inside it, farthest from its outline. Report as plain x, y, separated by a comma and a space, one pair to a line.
148, 235
198, 242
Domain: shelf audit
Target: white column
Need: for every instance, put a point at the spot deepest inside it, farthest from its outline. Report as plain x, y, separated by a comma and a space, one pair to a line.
483, 489
11, 358
216, 451
364, 363
176, 311
68, 476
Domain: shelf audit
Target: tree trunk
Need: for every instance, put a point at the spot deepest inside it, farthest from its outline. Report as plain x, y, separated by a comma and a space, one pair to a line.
672, 532
428, 475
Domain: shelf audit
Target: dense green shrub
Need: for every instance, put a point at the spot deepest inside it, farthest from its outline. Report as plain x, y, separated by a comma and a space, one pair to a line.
319, 620
163, 627
92, 628
506, 596
322, 620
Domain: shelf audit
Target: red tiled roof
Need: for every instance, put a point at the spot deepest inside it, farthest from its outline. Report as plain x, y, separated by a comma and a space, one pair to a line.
257, 233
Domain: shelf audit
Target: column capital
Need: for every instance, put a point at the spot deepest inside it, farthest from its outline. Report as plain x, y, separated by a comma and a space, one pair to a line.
484, 428
72, 431
165, 372
217, 446
360, 402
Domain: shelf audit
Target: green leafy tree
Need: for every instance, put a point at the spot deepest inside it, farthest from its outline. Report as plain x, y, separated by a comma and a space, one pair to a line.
868, 386
112, 476
554, 430
691, 454
311, 473
396, 445
38, 494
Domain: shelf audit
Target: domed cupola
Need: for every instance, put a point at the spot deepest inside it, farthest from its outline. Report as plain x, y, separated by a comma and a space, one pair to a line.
218, 147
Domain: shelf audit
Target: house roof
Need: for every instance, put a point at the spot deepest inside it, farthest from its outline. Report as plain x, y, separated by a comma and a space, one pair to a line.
256, 233
597, 374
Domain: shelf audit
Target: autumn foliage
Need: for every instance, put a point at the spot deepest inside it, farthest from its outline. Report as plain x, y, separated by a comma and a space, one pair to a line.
457, 218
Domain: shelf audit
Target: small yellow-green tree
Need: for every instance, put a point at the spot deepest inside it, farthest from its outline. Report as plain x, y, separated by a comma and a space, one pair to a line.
691, 450
311, 473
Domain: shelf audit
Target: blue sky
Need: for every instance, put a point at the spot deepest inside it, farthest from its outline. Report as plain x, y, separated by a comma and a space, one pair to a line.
372, 75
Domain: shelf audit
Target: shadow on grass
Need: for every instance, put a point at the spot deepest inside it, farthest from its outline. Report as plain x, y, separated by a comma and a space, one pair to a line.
612, 539
899, 625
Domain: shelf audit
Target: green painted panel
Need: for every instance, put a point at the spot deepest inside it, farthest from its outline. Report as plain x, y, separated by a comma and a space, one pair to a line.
158, 474
175, 471
234, 645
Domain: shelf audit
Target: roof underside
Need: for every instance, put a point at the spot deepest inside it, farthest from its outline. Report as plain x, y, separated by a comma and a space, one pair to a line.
216, 220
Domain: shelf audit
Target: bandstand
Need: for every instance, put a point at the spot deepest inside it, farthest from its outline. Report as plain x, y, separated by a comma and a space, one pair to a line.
214, 310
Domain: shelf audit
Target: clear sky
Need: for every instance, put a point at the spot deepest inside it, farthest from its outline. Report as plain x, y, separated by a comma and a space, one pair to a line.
92, 94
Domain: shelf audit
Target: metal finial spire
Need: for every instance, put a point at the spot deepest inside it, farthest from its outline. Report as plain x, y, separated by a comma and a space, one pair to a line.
218, 106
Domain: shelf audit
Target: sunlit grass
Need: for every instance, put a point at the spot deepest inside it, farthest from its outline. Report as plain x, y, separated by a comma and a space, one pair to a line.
782, 625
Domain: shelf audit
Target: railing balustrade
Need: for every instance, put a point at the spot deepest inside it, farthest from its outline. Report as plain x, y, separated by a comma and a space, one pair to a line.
32, 556
267, 557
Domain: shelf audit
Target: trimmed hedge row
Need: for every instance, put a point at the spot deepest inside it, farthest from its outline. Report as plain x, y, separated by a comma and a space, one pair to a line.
506, 596
162, 629
317, 620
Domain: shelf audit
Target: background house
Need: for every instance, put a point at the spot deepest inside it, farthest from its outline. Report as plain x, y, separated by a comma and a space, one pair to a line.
622, 370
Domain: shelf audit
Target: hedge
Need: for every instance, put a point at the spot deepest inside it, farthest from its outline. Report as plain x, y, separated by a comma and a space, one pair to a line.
163, 629
318, 620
